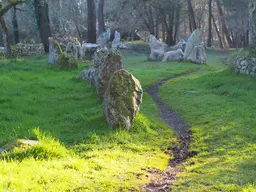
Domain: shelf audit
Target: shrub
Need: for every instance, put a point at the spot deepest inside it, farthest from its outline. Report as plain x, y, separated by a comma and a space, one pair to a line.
139, 47
66, 61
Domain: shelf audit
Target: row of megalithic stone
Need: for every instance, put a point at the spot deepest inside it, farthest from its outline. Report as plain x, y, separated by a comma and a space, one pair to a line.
86, 51
192, 50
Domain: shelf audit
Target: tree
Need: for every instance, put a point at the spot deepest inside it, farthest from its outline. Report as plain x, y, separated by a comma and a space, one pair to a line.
209, 39
191, 16
4, 10
100, 13
252, 23
15, 26
43, 22
91, 37
224, 26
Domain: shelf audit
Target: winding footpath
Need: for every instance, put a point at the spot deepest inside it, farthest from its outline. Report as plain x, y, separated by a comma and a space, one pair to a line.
162, 181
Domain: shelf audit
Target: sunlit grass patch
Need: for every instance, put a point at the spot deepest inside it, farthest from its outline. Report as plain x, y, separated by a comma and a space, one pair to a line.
77, 150
221, 111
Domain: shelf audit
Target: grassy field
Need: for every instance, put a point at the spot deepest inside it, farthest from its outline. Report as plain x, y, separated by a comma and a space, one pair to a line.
78, 151
220, 106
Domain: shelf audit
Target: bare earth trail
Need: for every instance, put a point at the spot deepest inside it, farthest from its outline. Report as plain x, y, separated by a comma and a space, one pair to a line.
162, 181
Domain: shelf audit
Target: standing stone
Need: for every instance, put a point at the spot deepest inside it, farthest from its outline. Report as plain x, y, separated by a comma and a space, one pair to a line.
117, 40
157, 49
193, 41
53, 51
195, 51
181, 45
70, 47
104, 38
77, 52
89, 50
105, 63
198, 55
173, 55
102, 41
122, 100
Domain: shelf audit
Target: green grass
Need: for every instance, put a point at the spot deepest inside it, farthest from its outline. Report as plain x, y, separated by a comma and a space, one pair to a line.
77, 151
220, 106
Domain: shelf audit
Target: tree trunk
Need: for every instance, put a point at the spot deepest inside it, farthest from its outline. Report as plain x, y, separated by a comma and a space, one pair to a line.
191, 16
15, 26
224, 26
252, 23
100, 13
218, 33
7, 39
177, 21
56, 18
92, 36
43, 22
209, 39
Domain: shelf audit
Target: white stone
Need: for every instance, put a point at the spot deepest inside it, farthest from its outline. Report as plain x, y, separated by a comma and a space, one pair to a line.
53, 52
193, 41
198, 55
157, 49
173, 55
117, 40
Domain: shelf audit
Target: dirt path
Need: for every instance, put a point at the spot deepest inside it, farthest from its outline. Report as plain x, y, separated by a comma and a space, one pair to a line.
162, 181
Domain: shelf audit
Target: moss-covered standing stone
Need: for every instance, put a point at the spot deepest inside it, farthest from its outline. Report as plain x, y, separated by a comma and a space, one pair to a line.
105, 64
122, 99
66, 61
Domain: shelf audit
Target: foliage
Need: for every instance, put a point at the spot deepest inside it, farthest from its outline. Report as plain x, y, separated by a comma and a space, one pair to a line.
139, 47
66, 61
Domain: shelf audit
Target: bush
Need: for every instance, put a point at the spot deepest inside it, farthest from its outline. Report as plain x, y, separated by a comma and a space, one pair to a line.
66, 61
139, 47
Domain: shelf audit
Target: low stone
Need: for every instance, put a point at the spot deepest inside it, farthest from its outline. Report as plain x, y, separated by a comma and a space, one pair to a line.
243, 71
123, 46
244, 63
253, 73
122, 100
173, 55
17, 143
